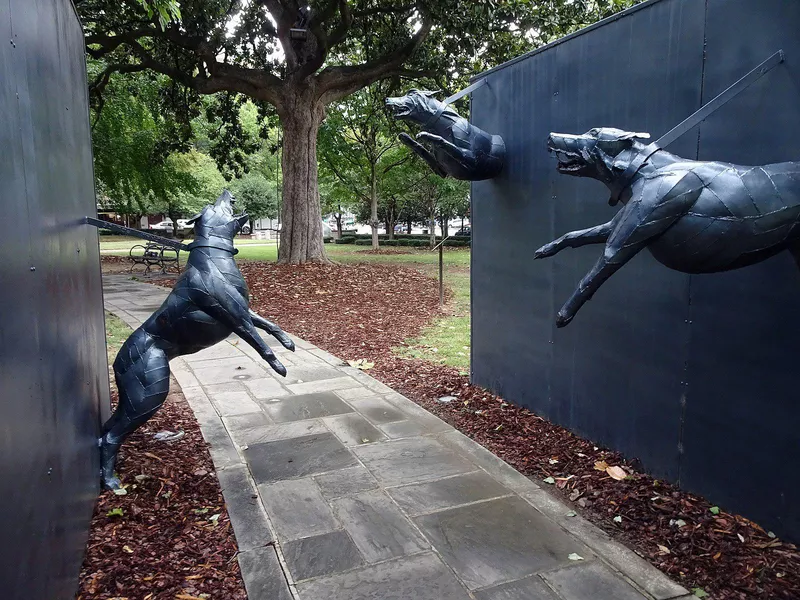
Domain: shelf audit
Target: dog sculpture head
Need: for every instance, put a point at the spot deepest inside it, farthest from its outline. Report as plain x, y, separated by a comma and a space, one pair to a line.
602, 153
417, 106
217, 220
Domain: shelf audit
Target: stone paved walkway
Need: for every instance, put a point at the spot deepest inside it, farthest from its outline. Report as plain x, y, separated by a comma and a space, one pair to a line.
339, 488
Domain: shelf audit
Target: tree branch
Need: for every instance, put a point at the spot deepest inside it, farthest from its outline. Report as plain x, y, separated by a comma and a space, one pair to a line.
339, 82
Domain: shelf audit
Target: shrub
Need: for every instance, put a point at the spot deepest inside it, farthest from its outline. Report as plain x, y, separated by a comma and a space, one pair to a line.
364, 242
345, 239
413, 243
327, 240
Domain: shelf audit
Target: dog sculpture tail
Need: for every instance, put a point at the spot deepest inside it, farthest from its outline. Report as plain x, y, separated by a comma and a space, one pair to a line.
141, 370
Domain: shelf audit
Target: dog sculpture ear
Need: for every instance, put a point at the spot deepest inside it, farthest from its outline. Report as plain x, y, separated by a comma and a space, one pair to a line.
430, 94
630, 135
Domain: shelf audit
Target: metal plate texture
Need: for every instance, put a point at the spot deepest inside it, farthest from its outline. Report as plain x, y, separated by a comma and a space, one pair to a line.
53, 368
691, 375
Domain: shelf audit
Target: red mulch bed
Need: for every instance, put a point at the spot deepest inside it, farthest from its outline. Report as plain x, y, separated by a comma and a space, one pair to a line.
174, 538
363, 311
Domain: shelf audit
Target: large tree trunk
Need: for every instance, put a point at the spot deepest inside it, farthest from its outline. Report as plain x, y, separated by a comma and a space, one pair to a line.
301, 228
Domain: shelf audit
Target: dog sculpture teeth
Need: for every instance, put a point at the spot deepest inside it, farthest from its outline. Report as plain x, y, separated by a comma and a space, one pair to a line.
693, 216
209, 301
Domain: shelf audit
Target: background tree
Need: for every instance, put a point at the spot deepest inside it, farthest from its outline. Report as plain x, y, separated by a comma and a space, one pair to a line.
359, 146
252, 48
256, 196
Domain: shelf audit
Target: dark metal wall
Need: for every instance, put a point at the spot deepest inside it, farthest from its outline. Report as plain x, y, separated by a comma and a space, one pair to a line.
53, 370
693, 375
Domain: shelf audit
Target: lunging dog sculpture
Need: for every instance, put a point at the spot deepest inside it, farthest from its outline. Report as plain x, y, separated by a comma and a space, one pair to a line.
693, 216
459, 149
208, 303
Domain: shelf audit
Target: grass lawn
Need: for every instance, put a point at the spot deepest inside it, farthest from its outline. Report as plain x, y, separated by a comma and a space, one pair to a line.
116, 334
446, 341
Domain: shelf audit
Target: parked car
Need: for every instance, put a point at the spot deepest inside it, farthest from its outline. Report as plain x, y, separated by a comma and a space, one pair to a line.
165, 225
464, 231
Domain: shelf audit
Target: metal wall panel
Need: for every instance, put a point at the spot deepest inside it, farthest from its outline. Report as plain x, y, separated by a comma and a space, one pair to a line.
741, 439
631, 371
52, 346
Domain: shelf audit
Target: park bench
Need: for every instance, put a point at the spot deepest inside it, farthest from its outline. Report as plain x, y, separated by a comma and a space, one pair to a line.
154, 254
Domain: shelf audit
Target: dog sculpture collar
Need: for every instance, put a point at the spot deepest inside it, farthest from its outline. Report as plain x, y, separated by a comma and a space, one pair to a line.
617, 186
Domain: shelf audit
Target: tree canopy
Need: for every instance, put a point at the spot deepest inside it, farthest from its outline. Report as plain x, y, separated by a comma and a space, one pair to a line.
293, 60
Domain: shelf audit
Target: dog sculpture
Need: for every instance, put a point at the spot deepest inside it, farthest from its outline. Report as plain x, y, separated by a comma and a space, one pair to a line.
693, 216
460, 149
208, 303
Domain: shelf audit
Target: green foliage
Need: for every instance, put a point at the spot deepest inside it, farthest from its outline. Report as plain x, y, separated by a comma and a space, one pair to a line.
167, 10
256, 196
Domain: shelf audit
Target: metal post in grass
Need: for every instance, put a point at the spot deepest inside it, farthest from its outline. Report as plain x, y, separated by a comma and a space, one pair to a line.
440, 246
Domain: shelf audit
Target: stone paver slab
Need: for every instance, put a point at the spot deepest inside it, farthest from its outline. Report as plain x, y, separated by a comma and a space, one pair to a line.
498, 541
266, 388
353, 429
403, 429
592, 581
377, 410
378, 527
297, 509
345, 482
263, 576
321, 555
307, 373
229, 370
244, 508
297, 457
437, 495
215, 352
257, 428
355, 392
530, 588
307, 406
326, 385
411, 460
421, 577
234, 403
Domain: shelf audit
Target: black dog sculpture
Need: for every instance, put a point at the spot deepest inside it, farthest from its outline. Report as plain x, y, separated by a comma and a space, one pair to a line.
208, 303
693, 216
460, 149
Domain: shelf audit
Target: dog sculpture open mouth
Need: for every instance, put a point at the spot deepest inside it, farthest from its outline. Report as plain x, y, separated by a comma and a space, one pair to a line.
568, 162
398, 110
570, 158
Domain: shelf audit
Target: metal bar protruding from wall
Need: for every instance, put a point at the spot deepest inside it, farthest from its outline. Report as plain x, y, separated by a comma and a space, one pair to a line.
719, 101
136, 233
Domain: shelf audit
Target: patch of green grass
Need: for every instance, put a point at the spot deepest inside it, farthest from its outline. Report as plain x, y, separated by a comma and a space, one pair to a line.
116, 334
447, 339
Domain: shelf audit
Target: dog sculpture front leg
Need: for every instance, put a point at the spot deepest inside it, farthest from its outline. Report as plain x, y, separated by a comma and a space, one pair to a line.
272, 329
576, 239
463, 157
646, 216
423, 153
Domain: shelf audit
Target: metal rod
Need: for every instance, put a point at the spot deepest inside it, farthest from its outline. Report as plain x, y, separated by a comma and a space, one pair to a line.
465, 91
441, 275
135, 233
720, 100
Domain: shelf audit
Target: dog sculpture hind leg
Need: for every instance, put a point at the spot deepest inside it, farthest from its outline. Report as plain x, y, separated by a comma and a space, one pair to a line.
209, 301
